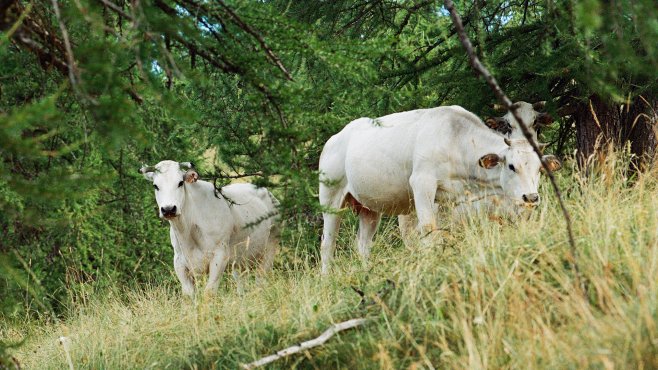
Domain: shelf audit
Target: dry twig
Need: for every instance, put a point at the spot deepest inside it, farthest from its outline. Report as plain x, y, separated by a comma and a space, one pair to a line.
349, 324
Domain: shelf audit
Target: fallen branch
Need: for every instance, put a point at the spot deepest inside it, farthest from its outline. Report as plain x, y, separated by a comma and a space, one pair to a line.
500, 94
349, 324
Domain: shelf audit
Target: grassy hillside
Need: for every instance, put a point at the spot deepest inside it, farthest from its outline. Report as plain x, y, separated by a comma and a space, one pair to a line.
486, 296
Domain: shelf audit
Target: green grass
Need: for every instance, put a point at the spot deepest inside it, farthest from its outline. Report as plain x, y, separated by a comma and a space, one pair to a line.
485, 296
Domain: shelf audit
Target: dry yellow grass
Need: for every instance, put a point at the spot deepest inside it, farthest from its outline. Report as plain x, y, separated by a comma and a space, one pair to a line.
486, 296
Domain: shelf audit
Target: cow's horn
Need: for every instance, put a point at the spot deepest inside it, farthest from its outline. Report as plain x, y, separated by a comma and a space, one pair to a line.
189, 165
542, 146
147, 169
539, 105
508, 141
498, 108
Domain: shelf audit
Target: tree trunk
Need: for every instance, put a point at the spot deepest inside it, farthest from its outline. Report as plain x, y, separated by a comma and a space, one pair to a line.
600, 124
596, 123
640, 120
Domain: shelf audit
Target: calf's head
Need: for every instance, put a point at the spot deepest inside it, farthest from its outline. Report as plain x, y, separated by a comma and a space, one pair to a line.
530, 114
519, 169
169, 179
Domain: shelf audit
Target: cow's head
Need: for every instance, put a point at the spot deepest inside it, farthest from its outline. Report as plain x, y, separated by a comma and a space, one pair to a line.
169, 179
519, 170
529, 113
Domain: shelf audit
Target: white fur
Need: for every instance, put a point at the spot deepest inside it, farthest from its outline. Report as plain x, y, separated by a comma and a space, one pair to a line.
209, 232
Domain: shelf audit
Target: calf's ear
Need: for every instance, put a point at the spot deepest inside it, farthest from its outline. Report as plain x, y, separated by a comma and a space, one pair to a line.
499, 124
539, 105
543, 119
492, 122
489, 161
552, 163
190, 176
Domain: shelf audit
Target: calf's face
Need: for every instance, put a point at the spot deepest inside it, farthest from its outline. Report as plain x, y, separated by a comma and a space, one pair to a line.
169, 179
530, 114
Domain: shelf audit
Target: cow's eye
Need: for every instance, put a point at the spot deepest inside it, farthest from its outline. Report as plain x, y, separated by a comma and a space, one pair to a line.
156, 187
180, 184
511, 167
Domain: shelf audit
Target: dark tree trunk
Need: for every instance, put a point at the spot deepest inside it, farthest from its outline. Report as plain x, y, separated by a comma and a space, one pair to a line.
596, 121
640, 120
600, 124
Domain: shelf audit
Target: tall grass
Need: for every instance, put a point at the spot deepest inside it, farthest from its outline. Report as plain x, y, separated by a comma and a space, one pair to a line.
487, 295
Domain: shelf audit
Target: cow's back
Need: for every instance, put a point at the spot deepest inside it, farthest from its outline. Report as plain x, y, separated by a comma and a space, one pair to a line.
381, 156
255, 215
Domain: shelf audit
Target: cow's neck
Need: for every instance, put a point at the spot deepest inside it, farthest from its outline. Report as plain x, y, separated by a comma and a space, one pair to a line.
198, 198
181, 225
487, 181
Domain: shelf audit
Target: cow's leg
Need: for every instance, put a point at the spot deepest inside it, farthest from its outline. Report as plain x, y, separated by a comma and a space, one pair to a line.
271, 248
406, 223
268, 256
331, 224
368, 222
331, 199
424, 189
216, 269
183, 274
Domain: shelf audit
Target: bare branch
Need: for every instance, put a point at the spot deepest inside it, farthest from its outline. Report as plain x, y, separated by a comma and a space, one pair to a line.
268, 51
500, 94
349, 324
117, 9
74, 77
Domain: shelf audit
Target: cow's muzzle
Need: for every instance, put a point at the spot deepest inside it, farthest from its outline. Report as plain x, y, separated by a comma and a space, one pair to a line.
532, 198
168, 212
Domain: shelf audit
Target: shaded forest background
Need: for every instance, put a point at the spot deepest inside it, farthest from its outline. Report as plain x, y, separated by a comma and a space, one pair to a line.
91, 90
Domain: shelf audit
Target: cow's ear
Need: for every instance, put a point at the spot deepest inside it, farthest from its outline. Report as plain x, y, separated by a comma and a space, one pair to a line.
552, 163
148, 172
190, 176
489, 161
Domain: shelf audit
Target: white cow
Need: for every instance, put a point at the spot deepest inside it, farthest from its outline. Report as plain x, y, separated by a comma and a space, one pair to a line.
405, 161
210, 228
